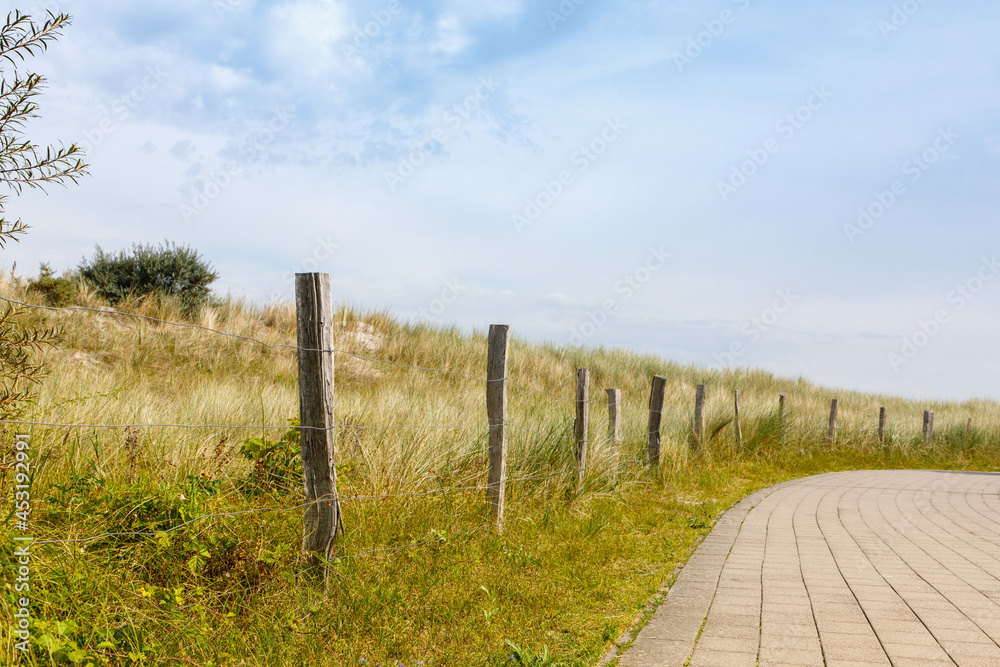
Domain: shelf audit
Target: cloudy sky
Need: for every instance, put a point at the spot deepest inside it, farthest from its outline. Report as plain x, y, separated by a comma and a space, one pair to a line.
811, 188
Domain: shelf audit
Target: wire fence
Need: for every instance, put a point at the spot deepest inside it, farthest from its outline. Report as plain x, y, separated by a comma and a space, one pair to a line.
299, 507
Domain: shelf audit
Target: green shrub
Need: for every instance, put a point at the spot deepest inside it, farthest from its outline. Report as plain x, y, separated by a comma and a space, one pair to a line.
166, 270
53, 290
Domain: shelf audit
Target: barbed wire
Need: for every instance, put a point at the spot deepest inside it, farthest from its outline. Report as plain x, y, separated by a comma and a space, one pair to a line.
239, 426
278, 510
277, 345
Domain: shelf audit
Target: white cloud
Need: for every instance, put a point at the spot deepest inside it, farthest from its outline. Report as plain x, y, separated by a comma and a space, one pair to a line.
451, 36
306, 33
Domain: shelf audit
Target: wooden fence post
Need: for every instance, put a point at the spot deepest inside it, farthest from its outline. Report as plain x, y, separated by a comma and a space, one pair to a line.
928, 426
882, 414
736, 408
314, 335
699, 418
655, 413
781, 410
581, 424
496, 410
831, 434
614, 427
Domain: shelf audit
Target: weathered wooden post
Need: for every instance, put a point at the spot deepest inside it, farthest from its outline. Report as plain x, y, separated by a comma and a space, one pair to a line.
781, 411
831, 434
496, 411
736, 409
882, 414
314, 334
580, 426
655, 413
928, 426
614, 428
699, 418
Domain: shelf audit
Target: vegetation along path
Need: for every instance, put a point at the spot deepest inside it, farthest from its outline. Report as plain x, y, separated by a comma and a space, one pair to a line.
889, 567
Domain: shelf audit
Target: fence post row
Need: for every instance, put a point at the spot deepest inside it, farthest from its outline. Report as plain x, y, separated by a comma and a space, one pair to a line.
580, 426
314, 334
496, 410
614, 427
699, 418
736, 408
831, 433
882, 414
655, 414
928, 426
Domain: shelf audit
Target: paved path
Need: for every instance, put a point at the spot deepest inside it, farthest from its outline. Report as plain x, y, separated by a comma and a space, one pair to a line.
892, 567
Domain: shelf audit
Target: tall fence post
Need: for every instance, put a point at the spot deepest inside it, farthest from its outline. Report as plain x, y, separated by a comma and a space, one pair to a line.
580, 426
831, 434
655, 413
882, 414
314, 335
614, 427
699, 418
736, 410
928, 426
496, 410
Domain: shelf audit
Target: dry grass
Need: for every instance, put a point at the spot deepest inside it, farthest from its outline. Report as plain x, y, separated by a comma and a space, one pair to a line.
570, 571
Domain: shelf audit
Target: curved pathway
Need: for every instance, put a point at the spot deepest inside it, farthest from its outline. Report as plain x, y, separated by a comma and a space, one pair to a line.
889, 567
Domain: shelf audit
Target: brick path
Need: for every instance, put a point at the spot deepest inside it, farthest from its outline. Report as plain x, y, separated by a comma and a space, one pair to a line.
895, 567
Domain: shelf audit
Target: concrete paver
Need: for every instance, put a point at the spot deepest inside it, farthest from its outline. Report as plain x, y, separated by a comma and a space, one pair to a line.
888, 567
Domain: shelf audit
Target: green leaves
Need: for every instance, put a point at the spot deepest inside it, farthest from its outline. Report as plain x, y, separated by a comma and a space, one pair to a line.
166, 270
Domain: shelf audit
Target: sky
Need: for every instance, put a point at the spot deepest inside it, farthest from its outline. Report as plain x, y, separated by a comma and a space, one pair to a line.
807, 188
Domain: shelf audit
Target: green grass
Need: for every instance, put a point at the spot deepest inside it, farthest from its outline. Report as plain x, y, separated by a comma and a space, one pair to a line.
418, 579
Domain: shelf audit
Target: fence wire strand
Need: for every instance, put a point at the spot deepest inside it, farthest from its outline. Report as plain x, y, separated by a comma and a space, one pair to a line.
279, 510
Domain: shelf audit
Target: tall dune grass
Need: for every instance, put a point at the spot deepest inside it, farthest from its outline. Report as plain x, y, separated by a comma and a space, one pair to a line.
418, 576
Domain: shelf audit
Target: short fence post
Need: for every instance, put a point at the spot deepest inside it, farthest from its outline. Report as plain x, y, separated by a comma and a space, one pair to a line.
699, 418
614, 427
314, 335
580, 426
655, 413
736, 409
881, 425
496, 410
781, 410
928, 426
831, 434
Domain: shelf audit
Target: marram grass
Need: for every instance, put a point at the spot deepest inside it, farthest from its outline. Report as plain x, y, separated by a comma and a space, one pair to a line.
420, 577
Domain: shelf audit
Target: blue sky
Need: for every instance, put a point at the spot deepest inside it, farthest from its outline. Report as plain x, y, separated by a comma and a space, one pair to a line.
808, 188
